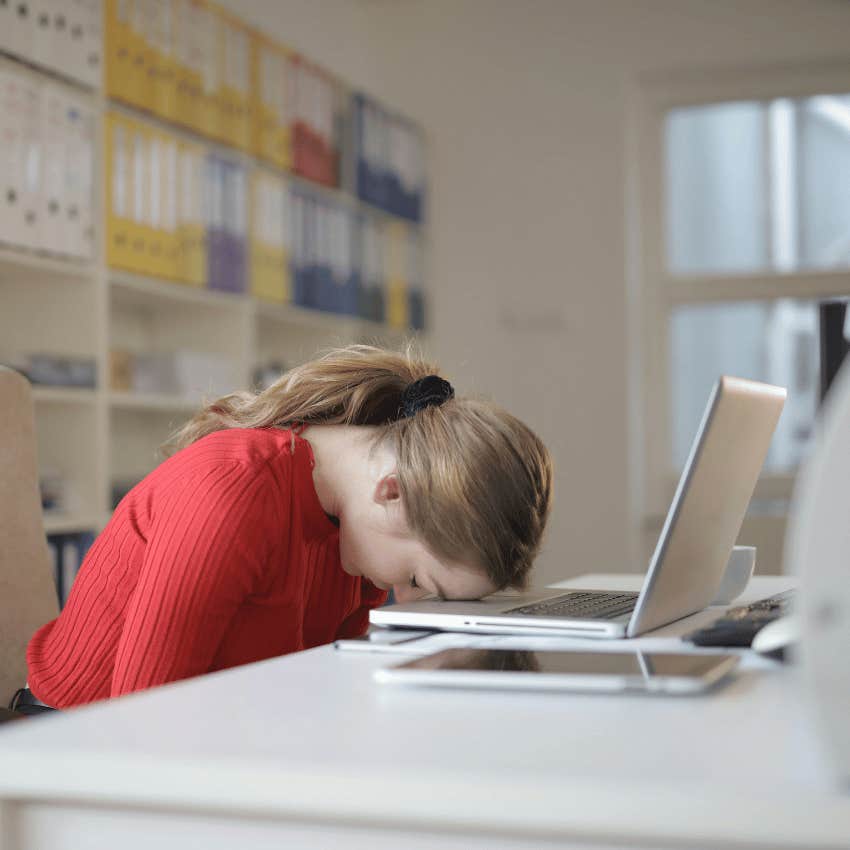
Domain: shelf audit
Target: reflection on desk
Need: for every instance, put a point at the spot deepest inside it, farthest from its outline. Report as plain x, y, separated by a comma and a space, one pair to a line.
307, 749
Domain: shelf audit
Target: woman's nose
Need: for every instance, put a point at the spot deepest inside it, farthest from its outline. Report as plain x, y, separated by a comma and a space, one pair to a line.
405, 593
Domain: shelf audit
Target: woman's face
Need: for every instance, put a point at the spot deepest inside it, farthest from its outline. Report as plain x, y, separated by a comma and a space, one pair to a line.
378, 544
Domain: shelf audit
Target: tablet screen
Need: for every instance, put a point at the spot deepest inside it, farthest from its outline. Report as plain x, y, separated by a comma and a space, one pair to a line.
634, 663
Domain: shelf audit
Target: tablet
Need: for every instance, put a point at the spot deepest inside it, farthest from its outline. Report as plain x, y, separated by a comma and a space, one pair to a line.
607, 672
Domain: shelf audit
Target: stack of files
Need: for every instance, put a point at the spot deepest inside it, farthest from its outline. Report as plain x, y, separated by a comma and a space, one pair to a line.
235, 96
191, 229
226, 220
59, 370
142, 60
369, 248
395, 235
389, 160
46, 168
316, 121
269, 229
325, 271
141, 191
271, 119
61, 35
185, 373
182, 60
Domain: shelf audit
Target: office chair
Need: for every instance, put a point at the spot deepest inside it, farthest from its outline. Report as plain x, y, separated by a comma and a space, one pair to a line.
27, 591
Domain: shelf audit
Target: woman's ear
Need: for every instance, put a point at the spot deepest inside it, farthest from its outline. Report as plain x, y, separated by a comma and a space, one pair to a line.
387, 490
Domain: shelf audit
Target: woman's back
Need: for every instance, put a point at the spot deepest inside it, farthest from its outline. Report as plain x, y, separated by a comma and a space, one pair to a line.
207, 563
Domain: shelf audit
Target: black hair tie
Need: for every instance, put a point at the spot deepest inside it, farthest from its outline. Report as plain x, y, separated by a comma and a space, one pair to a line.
427, 391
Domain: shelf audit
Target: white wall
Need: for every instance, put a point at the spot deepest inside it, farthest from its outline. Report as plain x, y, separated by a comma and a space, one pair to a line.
525, 108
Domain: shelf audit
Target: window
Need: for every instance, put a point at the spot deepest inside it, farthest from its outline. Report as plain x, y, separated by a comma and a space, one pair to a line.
758, 186
772, 340
742, 190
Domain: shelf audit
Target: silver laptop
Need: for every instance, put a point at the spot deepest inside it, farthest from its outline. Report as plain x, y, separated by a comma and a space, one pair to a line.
693, 548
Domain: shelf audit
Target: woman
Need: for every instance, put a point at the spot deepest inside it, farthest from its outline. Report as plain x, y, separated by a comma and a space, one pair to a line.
279, 519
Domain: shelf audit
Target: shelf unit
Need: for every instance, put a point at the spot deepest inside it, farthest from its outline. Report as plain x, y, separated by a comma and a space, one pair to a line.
63, 395
95, 437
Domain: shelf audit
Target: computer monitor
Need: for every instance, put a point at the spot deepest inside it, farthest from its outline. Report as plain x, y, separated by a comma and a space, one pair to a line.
834, 337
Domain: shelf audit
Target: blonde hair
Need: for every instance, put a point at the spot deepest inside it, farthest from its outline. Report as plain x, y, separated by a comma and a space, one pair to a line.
476, 482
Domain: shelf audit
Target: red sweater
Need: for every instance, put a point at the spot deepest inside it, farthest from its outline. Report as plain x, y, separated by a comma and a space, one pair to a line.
221, 556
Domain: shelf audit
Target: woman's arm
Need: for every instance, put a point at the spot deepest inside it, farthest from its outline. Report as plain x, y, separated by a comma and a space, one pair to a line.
357, 622
206, 549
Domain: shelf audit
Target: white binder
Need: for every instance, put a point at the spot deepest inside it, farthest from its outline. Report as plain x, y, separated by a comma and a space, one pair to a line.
82, 48
11, 163
168, 201
79, 210
46, 17
7, 22
17, 30
53, 228
20, 124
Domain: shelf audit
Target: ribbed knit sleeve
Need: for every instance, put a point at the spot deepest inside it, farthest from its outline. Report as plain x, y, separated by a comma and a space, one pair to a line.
207, 550
357, 622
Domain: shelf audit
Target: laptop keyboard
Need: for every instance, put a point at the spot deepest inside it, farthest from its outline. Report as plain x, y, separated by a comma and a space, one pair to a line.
581, 605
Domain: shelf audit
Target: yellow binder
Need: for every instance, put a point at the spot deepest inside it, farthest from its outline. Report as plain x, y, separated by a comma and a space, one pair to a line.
188, 67
165, 218
163, 70
210, 49
269, 273
119, 64
395, 274
119, 191
235, 92
141, 236
271, 139
139, 86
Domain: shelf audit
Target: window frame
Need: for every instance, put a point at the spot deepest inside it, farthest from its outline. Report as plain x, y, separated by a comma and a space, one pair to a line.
653, 293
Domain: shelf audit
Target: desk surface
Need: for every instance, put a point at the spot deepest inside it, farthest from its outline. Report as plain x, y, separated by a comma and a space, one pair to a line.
310, 736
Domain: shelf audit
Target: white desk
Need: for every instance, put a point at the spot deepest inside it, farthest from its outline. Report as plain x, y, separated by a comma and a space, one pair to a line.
306, 751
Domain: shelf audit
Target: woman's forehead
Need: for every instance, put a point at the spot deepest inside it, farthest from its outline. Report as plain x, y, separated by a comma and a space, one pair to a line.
455, 580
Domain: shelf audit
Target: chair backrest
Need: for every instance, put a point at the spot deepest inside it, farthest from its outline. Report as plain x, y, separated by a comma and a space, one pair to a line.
27, 588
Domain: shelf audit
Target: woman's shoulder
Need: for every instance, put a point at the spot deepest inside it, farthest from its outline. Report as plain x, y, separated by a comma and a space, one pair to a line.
253, 446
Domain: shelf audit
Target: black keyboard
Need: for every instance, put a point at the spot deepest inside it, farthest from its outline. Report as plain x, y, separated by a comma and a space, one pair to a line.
738, 626
581, 605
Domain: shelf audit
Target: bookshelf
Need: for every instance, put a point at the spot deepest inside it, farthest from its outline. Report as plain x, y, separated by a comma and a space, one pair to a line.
97, 440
